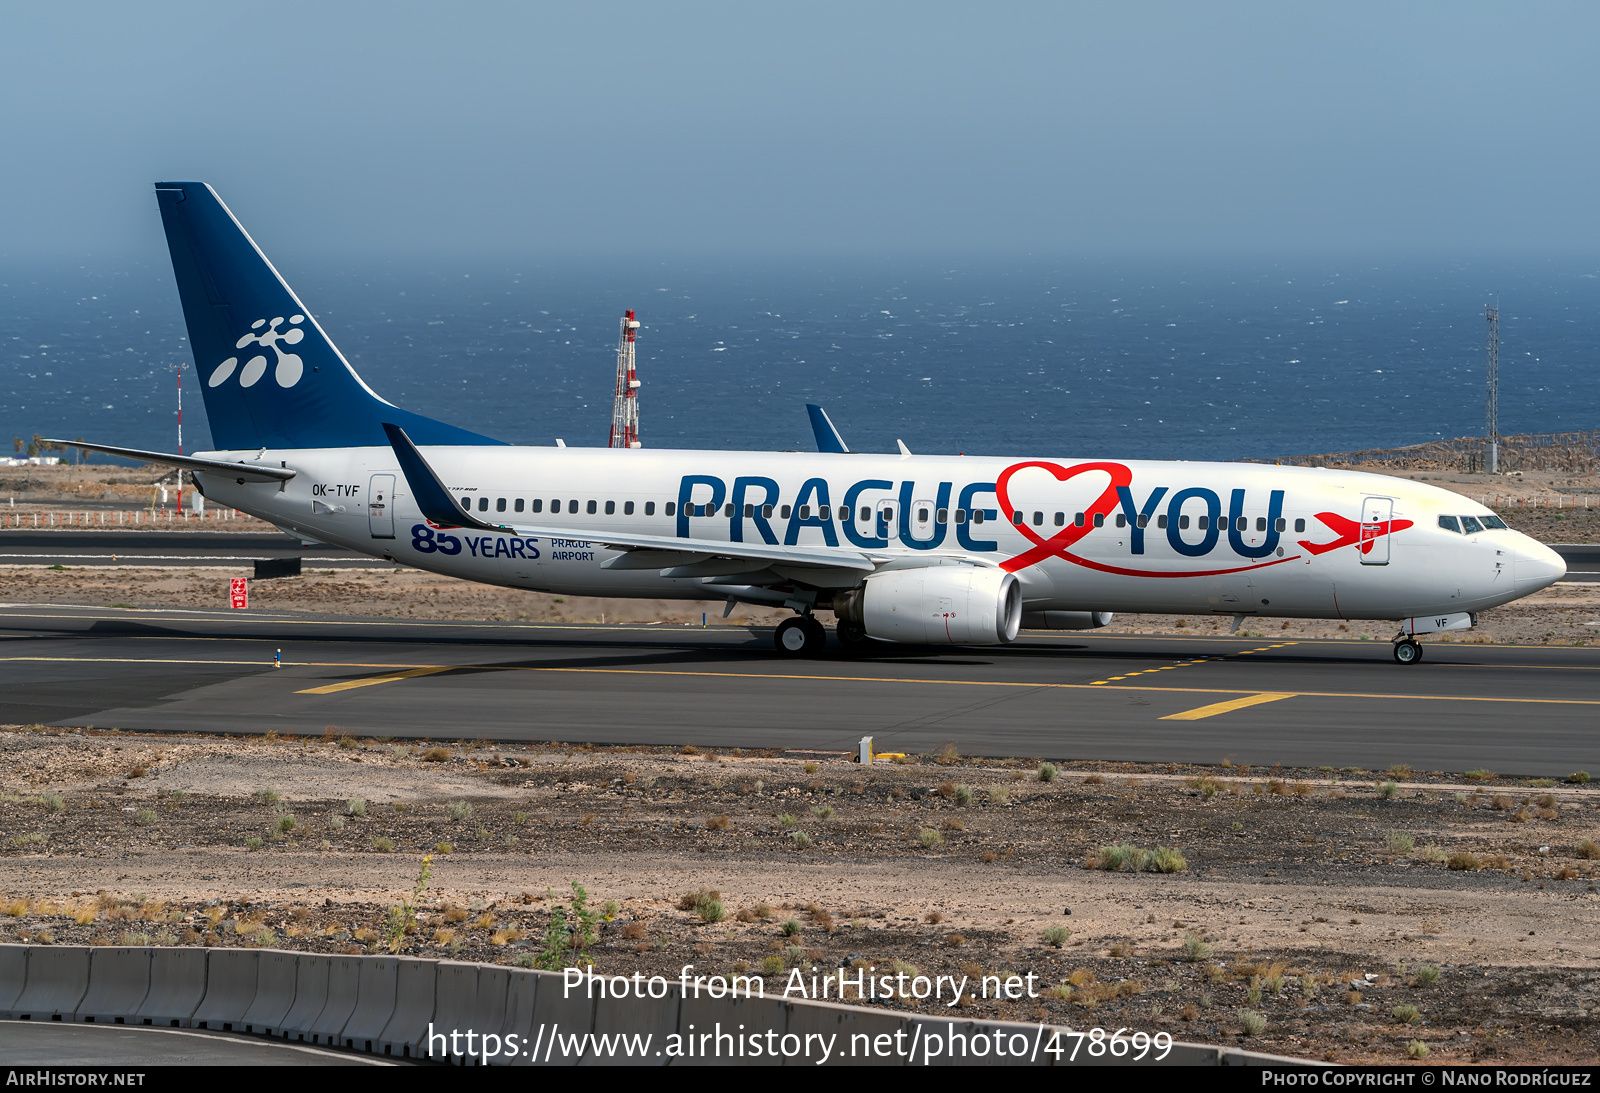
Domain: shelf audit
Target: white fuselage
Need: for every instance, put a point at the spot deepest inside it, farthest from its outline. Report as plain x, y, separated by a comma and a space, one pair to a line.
1351, 545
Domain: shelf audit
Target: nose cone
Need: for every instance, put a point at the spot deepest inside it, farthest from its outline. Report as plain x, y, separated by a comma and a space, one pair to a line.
1536, 566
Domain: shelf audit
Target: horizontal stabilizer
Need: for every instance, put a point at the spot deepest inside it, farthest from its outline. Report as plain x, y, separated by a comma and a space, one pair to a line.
250, 472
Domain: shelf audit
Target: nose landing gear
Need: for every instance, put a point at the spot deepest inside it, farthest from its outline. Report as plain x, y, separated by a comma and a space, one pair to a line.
1407, 651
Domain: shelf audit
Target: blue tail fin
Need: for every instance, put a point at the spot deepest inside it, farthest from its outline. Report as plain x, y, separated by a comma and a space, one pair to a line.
243, 320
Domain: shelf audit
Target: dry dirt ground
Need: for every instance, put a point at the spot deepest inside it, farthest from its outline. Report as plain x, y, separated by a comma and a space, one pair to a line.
1359, 920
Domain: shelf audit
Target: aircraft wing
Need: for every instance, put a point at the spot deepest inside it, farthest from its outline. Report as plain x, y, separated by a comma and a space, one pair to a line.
440, 507
249, 472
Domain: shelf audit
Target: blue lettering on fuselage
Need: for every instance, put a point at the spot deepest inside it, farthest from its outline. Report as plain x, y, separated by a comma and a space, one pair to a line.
1193, 517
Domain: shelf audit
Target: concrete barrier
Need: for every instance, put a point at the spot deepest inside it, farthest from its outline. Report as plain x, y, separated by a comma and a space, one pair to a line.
310, 995
522, 992
488, 1010
344, 990
119, 978
275, 976
555, 1012
13, 975
454, 1002
177, 986
630, 1015
230, 988
832, 1019
58, 977
739, 1016
405, 1036
375, 1002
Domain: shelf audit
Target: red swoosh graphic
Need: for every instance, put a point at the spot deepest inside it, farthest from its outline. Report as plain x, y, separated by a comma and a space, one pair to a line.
1350, 532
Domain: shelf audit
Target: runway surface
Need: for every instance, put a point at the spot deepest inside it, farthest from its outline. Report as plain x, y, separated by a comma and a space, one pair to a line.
49, 1044
170, 548
1511, 709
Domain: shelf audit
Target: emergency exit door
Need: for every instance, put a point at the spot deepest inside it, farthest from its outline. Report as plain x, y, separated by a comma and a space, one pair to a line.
1377, 516
380, 506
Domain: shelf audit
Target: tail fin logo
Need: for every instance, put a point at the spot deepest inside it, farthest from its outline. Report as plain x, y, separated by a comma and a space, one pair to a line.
289, 366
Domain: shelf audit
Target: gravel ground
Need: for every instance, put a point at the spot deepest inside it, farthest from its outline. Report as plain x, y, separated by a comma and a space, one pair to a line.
1289, 885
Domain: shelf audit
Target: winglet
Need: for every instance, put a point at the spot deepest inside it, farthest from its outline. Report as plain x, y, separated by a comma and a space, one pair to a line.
828, 438
904, 451
431, 496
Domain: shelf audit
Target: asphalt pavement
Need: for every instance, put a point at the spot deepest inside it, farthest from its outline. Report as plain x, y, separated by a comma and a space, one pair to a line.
1520, 710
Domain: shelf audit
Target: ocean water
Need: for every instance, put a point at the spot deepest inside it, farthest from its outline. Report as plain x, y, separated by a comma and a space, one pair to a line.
1180, 360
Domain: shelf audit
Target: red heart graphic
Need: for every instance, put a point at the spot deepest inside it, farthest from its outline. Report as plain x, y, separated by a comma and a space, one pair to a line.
1057, 544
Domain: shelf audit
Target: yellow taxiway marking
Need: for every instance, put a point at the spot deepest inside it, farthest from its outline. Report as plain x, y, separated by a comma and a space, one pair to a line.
352, 684
797, 678
1227, 707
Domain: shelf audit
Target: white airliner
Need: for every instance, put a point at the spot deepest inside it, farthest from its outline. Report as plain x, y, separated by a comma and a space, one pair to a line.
906, 548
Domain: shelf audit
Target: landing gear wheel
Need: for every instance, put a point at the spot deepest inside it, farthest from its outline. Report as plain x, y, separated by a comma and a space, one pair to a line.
851, 636
802, 637
1407, 652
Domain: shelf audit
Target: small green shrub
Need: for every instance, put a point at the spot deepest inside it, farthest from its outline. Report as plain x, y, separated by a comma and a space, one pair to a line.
822, 812
443, 848
145, 816
1167, 860
794, 954
1578, 777
285, 823
773, 965
709, 909
255, 842
1400, 842
52, 802
459, 810
790, 927
519, 818
1406, 1013
356, 806
930, 838
1047, 772
383, 845
267, 796
1431, 853
1252, 1022
336, 821
1056, 936
1195, 948
1479, 775
1416, 1049
1388, 790
33, 838
800, 839
786, 820
999, 795
1427, 975
963, 795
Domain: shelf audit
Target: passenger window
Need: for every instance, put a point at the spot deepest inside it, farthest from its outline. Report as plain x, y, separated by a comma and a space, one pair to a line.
1099, 519
749, 510
500, 504
1144, 521
466, 503
650, 508
1205, 522
727, 510
922, 516
1183, 523
572, 506
518, 505
1299, 525
670, 508
961, 516
942, 516
888, 513
1261, 523
483, 504
805, 512
766, 511
1161, 521
822, 511
1281, 525
1242, 524
1061, 519
1470, 526
1038, 519
1016, 517
555, 505
783, 512
866, 514
592, 508
1122, 520
1450, 523
611, 508
1494, 522
538, 504
627, 508
977, 516
1077, 520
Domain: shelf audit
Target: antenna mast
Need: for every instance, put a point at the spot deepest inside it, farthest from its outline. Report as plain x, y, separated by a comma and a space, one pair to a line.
625, 407
1491, 408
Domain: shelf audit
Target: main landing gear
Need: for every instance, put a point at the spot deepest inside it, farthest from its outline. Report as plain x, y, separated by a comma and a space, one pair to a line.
1407, 651
800, 637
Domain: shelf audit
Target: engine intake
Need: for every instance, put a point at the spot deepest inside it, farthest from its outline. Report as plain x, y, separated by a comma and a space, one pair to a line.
936, 605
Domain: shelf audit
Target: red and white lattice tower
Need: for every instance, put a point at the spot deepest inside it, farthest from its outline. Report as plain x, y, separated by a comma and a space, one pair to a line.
625, 410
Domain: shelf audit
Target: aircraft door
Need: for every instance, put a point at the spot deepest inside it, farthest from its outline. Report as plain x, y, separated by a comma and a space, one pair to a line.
885, 527
380, 506
1377, 514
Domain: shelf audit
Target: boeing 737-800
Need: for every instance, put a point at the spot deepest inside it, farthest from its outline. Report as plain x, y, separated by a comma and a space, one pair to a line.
907, 548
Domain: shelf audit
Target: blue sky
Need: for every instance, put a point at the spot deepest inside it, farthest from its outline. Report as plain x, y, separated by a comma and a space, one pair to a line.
1131, 128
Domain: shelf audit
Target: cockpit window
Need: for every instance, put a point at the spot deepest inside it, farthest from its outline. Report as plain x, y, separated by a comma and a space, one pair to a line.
1494, 522
1470, 526
1450, 523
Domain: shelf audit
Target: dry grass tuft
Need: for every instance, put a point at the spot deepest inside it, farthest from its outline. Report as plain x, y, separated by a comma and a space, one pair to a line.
719, 823
436, 755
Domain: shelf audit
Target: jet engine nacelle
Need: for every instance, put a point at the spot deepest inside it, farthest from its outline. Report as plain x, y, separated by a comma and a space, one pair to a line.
1066, 620
937, 605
